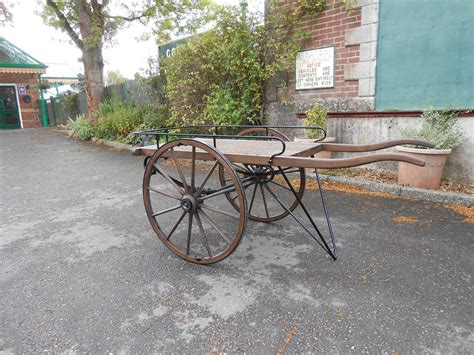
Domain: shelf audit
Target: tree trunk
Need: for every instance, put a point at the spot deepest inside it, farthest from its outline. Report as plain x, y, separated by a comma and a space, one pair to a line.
93, 74
91, 25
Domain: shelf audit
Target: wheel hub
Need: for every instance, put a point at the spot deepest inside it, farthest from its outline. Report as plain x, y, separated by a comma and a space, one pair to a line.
263, 173
189, 203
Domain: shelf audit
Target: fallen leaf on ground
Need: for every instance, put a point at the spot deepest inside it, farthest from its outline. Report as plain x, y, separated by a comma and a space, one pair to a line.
405, 219
467, 211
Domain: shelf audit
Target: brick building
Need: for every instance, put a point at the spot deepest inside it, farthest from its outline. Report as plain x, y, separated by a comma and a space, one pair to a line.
19, 87
376, 67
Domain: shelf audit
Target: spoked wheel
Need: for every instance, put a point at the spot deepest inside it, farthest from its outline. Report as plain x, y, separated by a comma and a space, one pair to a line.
184, 201
264, 185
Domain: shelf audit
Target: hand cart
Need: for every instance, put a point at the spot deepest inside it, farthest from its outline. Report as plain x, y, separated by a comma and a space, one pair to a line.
202, 183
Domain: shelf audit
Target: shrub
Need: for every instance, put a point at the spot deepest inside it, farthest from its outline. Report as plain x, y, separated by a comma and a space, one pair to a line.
219, 76
316, 116
439, 127
71, 105
118, 120
106, 107
209, 83
82, 128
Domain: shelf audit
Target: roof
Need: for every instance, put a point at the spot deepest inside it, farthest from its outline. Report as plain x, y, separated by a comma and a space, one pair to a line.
15, 60
61, 80
61, 73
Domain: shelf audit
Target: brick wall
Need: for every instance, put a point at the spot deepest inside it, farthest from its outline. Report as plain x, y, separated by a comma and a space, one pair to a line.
30, 112
329, 29
354, 37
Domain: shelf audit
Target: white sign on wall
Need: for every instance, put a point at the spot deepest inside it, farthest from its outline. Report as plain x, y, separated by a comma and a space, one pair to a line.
315, 69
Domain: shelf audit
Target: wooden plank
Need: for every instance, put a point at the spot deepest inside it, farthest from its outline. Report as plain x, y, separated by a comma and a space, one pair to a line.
297, 162
337, 147
251, 147
295, 155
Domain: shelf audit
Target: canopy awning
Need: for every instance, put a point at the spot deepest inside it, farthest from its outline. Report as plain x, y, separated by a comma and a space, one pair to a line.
61, 80
14, 60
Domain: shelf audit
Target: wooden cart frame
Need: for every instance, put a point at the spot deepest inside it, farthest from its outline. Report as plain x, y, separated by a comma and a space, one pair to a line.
243, 162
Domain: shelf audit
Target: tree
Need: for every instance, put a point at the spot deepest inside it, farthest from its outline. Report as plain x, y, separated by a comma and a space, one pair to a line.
225, 83
114, 77
91, 23
80, 86
6, 16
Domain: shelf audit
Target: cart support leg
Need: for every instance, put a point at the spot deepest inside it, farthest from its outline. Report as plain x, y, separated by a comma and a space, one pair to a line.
326, 213
322, 242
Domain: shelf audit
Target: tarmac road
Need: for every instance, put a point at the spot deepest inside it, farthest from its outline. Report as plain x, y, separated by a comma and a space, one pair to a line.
81, 270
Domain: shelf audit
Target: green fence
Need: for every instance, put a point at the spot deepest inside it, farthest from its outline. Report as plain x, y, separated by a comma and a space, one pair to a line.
144, 93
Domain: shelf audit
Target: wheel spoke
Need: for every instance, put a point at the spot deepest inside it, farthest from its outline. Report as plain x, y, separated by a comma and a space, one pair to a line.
223, 190
193, 169
272, 193
245, 188
217, 229
176, 226
240, 169
208, 175
166, 211
219, 211
286, 170
282, 186
249, 184
163, 193
169, 179
203, 235
253, 197
180, 171
250, 168
264, 201
190, 227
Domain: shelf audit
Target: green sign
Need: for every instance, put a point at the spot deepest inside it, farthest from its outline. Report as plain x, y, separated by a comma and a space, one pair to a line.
168, 49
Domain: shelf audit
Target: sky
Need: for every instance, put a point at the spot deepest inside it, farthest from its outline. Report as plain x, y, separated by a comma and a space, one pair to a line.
50, 46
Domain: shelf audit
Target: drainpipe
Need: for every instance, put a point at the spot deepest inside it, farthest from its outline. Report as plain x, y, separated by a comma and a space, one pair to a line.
43, 105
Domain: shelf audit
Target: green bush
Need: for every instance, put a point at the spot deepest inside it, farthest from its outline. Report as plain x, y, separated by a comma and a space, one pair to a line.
218, 77
106, 107
70, 104
439, 127
119, 120
316, 116
82, 128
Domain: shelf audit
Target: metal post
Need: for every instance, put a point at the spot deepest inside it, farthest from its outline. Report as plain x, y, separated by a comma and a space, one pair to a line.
43, 105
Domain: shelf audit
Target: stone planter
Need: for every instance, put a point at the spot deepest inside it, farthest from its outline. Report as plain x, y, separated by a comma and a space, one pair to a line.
323, 155
427, 177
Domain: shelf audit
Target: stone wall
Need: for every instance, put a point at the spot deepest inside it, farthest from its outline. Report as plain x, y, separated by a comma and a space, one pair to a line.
367, 130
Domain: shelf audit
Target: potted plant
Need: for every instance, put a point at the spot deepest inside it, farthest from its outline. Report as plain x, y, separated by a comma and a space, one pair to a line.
439, 127
316, 116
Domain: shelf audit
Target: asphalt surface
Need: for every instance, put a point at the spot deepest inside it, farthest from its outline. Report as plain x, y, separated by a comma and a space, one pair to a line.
81, 269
